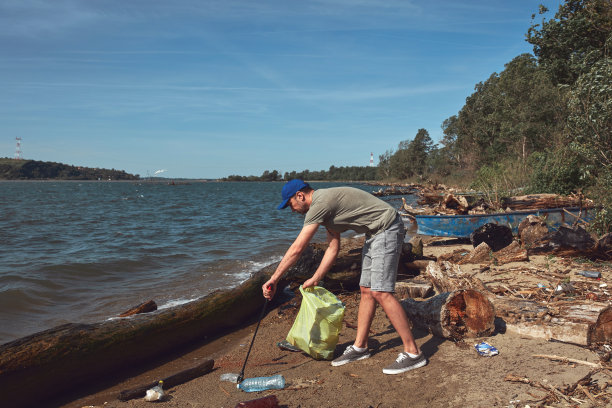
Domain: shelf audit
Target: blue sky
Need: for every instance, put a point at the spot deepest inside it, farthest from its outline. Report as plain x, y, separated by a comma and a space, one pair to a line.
210, 88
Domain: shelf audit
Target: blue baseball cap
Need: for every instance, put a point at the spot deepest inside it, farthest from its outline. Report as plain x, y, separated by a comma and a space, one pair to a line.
289, 189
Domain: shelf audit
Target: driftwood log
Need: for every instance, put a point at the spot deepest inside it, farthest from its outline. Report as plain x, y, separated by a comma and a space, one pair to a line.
59, 360
577, 322
173, 380
453, 315
540, 201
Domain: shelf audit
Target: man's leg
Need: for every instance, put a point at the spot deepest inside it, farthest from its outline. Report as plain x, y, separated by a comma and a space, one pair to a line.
365, 315
367, 309
397, 315
359, 349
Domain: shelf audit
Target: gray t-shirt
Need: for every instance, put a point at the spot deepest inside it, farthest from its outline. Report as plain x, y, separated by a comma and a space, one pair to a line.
348, 208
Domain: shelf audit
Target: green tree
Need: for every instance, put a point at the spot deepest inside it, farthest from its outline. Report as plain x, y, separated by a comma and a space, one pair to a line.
570, 43
399, 164
574, 49
383, 170
556, 171
270, 175
419, 150
590, 124
411, 156
510, 115
590, 118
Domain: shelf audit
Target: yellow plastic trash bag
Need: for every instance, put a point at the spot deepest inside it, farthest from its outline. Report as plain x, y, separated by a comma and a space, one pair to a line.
318, 323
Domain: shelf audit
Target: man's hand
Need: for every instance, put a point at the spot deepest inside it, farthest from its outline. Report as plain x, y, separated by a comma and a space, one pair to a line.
269, 289
309, 283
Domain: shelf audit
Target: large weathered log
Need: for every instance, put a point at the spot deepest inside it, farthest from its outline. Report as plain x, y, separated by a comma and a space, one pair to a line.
453, 315
60, 359
173, 380
537, 201
578, 322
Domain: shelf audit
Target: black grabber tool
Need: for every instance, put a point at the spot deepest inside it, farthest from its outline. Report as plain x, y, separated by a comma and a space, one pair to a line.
263, 311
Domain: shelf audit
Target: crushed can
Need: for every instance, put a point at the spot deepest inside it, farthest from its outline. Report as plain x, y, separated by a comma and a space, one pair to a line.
486, 350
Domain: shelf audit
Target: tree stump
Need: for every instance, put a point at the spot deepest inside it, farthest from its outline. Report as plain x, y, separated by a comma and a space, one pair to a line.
532, 230
453, 315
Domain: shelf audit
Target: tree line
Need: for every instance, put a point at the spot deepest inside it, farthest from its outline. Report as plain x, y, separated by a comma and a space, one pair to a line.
11, 169
348, 173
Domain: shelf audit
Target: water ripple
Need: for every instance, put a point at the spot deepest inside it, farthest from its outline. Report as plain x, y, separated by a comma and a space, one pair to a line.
87, 251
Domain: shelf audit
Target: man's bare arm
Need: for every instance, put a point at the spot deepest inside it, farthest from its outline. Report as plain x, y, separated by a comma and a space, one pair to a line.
331, 253
290, 258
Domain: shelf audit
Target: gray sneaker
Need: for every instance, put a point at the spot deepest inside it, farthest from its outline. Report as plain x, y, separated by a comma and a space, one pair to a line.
350, 355
405, 363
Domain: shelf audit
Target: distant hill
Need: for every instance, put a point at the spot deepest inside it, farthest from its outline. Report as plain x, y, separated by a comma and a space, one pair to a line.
11, 169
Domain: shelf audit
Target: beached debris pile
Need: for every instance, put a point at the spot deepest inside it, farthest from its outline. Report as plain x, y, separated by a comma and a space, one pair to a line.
543, 201
563, 301
529, 310
592, 388
441, 200
404, 189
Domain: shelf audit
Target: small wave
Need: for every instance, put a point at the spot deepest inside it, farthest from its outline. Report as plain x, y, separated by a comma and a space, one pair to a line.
250, 267
175, 302
255, 266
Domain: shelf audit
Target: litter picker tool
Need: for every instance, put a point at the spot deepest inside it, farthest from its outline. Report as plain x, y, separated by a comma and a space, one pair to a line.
237, 378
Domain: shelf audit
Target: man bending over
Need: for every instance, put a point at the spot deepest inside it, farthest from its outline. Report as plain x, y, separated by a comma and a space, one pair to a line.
340, 209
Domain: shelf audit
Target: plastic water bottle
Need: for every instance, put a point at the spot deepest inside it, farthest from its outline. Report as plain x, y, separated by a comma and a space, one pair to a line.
276, 382
590, 274
156, 393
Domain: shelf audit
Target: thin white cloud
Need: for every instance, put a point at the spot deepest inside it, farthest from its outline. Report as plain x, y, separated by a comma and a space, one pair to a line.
32, 18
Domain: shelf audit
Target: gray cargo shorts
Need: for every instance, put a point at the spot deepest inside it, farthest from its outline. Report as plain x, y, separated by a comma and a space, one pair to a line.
380, 258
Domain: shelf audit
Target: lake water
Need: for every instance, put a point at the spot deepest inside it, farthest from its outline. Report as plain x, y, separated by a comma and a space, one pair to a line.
83, 252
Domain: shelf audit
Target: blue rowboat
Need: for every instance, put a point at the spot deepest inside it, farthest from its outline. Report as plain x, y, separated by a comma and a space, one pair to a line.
461, 226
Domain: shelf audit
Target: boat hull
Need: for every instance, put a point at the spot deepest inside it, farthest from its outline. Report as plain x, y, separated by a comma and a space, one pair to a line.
461, 226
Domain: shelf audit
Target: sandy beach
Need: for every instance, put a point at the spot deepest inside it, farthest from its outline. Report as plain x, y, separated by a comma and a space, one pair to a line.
455, 376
